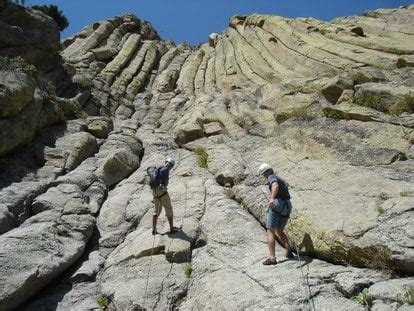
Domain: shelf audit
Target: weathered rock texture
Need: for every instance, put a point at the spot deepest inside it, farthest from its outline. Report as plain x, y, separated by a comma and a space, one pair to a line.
328, 105
29, 34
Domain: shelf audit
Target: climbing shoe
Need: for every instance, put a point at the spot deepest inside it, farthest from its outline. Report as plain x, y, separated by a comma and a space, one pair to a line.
154, 232
270, 261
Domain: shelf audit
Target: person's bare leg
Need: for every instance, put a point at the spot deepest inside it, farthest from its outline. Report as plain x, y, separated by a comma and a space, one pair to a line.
172, 228
171, 222
271, 243
270, 235
157, 210
154, 224
166, 202
284, 240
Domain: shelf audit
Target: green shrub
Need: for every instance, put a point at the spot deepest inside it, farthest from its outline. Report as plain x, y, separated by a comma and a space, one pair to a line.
17, 63
301, 113
54, 12
188, 269
335, 114
382, 64
202, 156
405, 104
243, 205
102, 302
25, 66
372, 101
157, 123
359, 78
363, 298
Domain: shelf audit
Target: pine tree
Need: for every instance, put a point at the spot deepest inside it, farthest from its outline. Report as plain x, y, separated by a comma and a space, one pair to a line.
54, 12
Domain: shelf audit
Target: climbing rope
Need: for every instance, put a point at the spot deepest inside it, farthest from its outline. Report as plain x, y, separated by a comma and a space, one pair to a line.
305, 282
185, 206
170, 305
149, 271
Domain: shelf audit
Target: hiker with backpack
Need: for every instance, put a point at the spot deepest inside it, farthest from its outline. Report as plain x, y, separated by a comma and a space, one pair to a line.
277, 214
159, 178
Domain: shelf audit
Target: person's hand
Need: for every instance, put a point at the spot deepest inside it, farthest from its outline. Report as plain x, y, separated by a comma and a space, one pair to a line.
270, 205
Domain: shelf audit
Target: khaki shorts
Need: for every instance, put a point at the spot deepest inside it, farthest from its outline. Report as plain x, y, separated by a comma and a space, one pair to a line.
162, 198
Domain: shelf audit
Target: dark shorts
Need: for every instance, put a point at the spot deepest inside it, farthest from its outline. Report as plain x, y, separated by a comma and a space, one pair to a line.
275, 220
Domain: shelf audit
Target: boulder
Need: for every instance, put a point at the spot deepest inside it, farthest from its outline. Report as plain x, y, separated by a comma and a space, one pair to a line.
66, 198
34, 254
69, 151
212, 128
333, 89
17, 198
88, 269
99, 126
20, 129
398, 290
16, 91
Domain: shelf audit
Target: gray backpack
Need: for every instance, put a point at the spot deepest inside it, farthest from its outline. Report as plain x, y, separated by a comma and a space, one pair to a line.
154, 178
283, 207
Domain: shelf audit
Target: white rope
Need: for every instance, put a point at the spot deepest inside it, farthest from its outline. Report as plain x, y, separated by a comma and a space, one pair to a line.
305, 283
170, 305
149, 271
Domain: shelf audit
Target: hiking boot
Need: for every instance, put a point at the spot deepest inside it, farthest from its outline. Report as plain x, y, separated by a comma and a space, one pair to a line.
289, 254
293, 249
174, 230
270, 261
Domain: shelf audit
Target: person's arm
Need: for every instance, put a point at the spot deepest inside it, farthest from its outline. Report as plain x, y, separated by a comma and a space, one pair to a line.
273, 193
163, 177
275, 190
167, 178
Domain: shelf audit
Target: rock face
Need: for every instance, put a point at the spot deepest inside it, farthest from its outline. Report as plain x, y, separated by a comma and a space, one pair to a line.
29, 34
329, 105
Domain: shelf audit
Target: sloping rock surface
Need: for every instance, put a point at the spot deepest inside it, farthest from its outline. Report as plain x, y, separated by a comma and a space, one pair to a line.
328, 104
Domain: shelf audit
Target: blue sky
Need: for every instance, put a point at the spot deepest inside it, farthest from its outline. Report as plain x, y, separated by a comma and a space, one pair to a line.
193, 20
